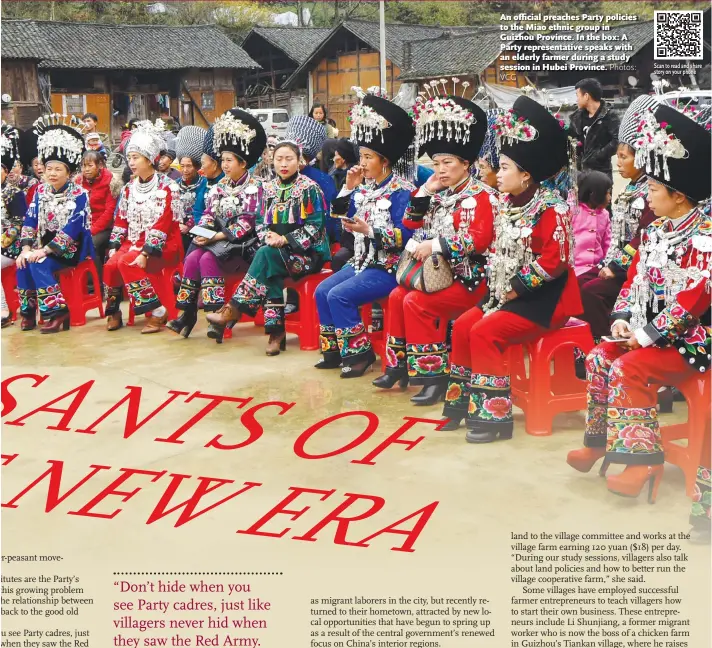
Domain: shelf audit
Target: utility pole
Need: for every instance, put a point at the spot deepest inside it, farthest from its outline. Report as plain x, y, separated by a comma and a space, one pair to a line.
382, 27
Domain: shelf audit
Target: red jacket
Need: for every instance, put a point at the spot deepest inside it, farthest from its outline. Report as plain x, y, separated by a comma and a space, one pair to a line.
101, 201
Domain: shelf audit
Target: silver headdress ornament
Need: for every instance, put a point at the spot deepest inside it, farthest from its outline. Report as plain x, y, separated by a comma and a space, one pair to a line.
437, 116
228, 129
148, 139
366, 123
654, 141
51, 138
510, 128
10, 141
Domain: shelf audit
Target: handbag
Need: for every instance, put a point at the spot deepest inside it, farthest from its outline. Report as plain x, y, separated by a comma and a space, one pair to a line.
429, 276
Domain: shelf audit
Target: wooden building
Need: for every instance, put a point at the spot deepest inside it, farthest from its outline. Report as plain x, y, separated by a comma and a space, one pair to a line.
349, 56
124, 71
279, 51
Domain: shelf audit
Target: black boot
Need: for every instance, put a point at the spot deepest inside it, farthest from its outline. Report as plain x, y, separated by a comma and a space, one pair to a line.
451, 425
479, 432
392, 376
185, 322
430, 394
358, 369
329, 360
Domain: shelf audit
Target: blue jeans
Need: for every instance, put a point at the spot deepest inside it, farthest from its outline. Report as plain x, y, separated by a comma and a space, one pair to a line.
338, 299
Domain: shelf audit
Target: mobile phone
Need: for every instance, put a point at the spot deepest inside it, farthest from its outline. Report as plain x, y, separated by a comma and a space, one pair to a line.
610, 338
346, 219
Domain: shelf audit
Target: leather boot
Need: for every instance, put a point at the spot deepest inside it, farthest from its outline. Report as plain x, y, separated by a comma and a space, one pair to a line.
430, 394
114, 322
478, 432
154, 324
56, 324
277, 342
184, 323
227, 315
28, 322
583, 459
451, 425
392, 376
329, 360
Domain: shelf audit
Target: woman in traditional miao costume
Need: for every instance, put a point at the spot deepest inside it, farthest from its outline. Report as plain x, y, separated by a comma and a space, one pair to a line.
662, 314
13, 208
295, 244
192, 186
146, 237
631, 214
56, 233
451, 215
375, 199
531, 281
230, 212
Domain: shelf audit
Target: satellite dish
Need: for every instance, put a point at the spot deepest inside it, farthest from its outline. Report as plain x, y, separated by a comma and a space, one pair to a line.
632, 81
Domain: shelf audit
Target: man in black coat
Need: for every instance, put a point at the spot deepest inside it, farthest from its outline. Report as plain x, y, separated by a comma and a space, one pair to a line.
595, 126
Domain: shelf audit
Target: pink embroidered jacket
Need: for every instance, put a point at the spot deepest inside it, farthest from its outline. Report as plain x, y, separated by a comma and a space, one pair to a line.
592, 237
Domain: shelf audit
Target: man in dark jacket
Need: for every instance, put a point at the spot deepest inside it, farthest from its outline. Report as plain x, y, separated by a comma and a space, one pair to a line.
596, 128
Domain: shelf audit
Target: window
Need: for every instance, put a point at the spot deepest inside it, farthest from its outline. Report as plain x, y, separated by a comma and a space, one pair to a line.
208, 102
74, 104
280, 118
262, 117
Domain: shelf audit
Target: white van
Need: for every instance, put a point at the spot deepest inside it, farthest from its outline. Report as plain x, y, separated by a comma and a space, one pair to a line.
273, 120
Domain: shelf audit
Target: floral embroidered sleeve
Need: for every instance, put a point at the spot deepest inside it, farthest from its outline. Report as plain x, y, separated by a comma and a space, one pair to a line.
478, 236
157, 236
622, 309
395, 237
121, 226
65, 244
553, 260
28, 234
312, 232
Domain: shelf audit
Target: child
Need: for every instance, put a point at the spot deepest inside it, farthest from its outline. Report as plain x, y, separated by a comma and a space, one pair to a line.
591, 225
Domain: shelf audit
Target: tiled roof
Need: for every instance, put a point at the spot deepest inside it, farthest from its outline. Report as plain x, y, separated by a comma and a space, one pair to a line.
452, 54
121, 47
397, 35
296, 42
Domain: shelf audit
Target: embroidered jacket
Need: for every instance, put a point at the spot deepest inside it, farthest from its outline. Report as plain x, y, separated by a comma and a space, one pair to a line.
630, 216
61, 221
462, 224
382, 207
295, 209
666, 297
147, 220
533, 257
192, 199
232, 207
13, 208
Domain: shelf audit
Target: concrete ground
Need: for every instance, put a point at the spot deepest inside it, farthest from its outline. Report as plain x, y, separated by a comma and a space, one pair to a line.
484, 493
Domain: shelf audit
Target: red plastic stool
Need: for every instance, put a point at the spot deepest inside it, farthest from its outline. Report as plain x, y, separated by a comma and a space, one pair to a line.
75, 288
305, 322
9, 285
164, 291
696, 430
541, 394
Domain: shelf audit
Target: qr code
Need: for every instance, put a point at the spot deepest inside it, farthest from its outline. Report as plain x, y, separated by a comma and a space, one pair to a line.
678, 35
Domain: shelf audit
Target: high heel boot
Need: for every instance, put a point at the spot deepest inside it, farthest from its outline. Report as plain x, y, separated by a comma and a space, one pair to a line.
228, 315
277, 342
584, 459
392, 376
430, 394
631, 481
60, 322
329, 360
184, 323
357, 370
